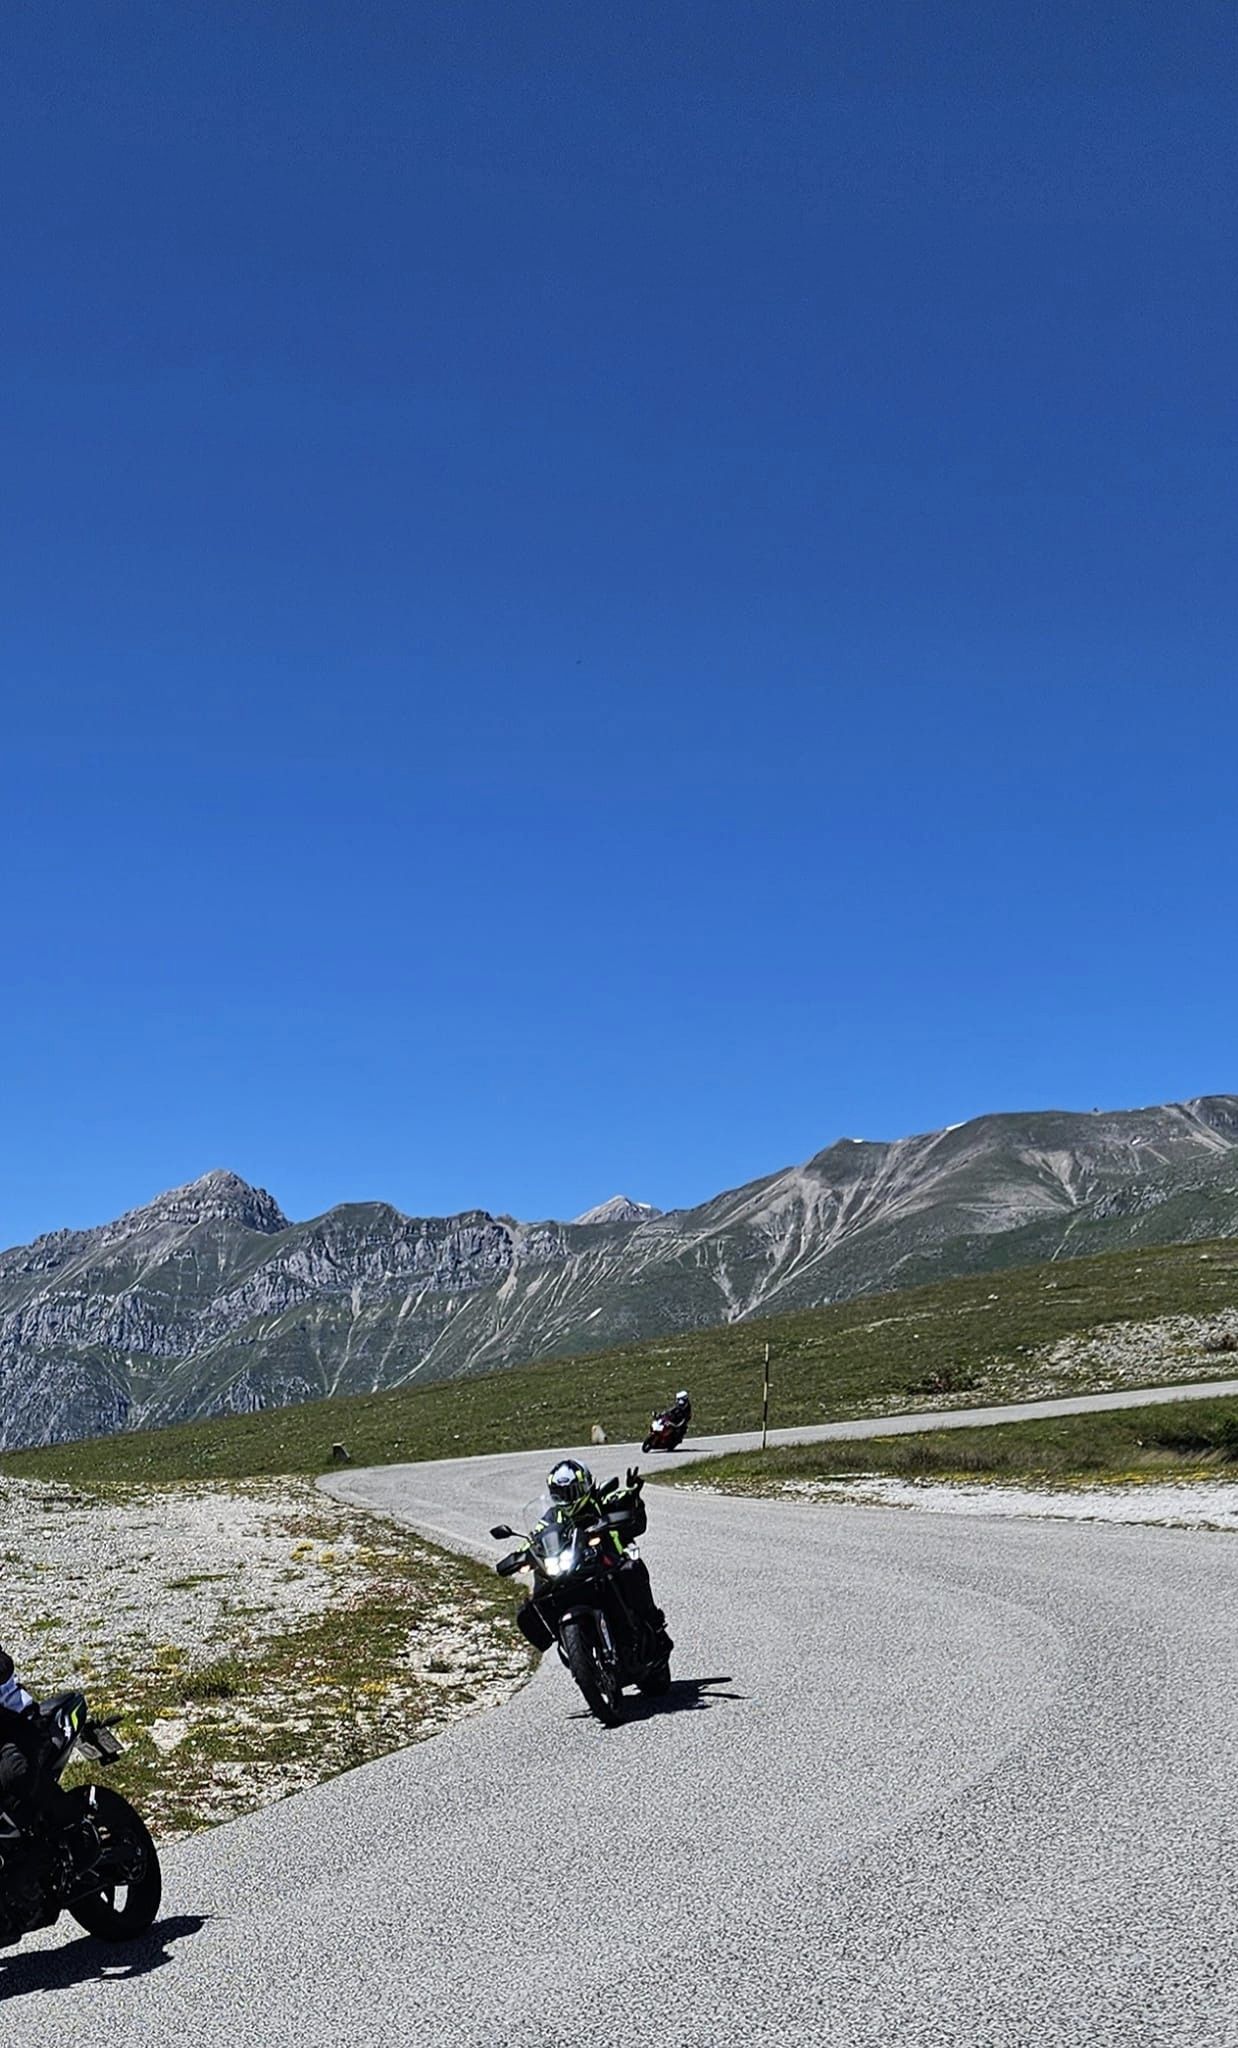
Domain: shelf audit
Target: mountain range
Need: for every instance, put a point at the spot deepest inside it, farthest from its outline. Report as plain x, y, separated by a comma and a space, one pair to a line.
210, 1300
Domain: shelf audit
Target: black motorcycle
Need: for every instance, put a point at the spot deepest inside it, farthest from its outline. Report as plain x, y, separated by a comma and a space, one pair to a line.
579, 1596
90, 1855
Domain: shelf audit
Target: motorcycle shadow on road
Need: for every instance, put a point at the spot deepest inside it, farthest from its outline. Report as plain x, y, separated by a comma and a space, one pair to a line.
686, 1695
89, 1961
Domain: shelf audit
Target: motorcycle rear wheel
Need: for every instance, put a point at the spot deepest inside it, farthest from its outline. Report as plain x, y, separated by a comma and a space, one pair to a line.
594, 1674
120, 1911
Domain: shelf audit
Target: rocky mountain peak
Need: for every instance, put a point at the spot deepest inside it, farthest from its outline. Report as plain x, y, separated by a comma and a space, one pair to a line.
619, 1209
217, 1196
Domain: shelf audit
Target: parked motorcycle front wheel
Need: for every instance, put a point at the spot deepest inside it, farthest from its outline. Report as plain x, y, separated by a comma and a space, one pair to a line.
130, 1881
594, 1673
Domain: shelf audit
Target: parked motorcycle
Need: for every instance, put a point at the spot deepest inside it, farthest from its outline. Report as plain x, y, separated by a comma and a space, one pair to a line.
578, 1592
666, 1432
94, 1859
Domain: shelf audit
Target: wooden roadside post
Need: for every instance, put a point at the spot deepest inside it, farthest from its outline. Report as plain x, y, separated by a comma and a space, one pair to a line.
765, 1402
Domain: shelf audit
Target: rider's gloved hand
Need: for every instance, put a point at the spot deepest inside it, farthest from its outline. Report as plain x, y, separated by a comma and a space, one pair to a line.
634, 1480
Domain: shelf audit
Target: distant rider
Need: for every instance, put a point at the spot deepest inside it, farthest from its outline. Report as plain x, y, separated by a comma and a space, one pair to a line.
576, 1497
680, 1410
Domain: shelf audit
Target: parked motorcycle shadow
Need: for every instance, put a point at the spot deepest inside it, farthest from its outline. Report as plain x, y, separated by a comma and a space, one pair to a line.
89, 1961
686, 1695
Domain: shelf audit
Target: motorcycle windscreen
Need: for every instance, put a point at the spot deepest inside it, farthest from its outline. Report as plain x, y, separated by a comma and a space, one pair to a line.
553, 1535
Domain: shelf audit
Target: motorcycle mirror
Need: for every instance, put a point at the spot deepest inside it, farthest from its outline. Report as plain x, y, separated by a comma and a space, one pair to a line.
502, 1529
611, 1484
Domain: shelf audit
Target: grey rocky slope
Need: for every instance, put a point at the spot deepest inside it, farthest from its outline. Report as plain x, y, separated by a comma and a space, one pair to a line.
210, 1300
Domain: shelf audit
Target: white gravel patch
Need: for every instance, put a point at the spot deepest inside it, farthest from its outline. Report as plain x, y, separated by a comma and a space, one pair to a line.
196, 1612
188, 1569
1133, 1353
1181, 1504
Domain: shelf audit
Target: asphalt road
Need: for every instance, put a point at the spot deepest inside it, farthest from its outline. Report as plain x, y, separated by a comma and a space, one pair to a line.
949, 1782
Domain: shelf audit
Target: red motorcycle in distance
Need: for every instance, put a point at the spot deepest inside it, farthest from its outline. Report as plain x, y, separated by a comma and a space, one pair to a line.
666, 1431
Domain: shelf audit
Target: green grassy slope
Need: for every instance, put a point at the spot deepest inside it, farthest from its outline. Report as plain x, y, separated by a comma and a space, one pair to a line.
957, 1343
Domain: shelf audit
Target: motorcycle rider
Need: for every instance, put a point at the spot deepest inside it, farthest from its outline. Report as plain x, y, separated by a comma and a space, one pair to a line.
26, 1793
20, 1744
576, 1497
680, 1410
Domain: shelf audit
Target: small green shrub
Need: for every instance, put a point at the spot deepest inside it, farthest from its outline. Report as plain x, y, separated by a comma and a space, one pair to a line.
1201, 1434
949, 1381
221, 1680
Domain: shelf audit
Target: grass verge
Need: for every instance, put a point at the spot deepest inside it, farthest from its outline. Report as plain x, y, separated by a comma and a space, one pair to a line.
1128, 1446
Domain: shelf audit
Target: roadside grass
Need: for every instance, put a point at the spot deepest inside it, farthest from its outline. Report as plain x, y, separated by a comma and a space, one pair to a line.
958, 1343
414, 1637
1128, 1446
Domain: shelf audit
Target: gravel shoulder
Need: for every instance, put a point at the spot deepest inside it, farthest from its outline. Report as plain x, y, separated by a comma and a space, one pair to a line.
255, 1638
1184, 1504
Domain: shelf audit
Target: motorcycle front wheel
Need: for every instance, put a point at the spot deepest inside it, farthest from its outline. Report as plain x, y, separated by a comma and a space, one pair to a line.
594, 1673
647, 1446
130, 1884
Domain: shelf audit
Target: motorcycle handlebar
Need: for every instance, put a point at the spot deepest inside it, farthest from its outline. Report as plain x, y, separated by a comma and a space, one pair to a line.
614, 1520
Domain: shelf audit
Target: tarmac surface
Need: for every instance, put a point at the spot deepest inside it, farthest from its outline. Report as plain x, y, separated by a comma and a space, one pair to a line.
917, 1781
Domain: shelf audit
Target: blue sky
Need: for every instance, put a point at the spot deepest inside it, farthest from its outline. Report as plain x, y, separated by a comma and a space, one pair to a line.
594, 597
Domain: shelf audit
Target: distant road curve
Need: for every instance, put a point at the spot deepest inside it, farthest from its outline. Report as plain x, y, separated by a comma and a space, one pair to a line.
421, 1493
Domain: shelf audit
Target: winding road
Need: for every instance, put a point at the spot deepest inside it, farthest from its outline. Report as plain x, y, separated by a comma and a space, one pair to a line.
947, 1781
